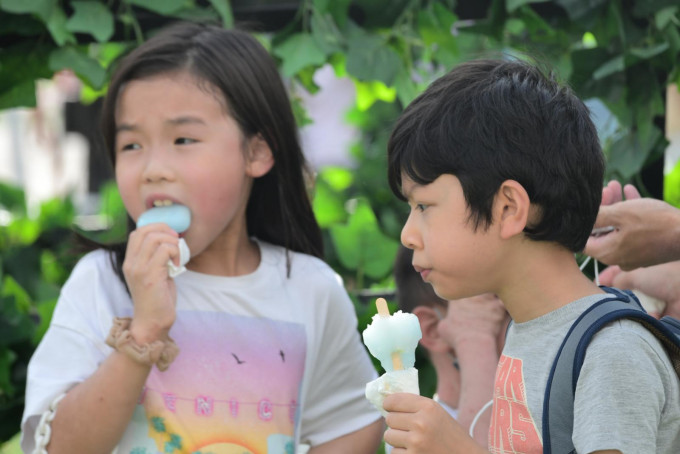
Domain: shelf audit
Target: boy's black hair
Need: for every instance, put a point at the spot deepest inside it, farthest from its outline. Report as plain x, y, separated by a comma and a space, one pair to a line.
412, 291
233, 64
488, 121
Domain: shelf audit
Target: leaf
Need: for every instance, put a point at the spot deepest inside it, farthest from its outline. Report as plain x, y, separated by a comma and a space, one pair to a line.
648, 52
22, 302
163, 7
57, 27
41, 8
628, 154
328, 206
512, 5
370, 58
223, 8
616, 64
196, 15
19, 95
326, 33
13, 199
23, 231
579, 8
93, 18
665, 16
361, 245
367, 93
298, 52
84, 66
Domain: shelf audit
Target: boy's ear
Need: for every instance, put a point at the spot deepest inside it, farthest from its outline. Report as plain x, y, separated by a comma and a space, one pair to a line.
512, 208
260, 157
431, 339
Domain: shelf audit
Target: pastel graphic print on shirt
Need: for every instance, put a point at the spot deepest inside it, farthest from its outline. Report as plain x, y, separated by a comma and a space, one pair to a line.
233, 389
512, 428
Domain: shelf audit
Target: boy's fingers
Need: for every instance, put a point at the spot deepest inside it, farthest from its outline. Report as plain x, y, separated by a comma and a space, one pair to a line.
401, 402
396, 439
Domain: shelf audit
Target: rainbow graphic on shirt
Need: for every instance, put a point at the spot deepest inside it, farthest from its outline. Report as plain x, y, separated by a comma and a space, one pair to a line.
233, 389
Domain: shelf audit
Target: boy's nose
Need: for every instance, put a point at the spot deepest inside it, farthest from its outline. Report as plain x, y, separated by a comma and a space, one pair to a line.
409, 235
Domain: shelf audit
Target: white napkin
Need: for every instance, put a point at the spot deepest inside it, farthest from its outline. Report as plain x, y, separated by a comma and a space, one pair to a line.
184, 256
398, 381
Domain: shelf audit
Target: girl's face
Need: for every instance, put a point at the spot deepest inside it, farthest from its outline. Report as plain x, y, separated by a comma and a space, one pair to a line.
175, 142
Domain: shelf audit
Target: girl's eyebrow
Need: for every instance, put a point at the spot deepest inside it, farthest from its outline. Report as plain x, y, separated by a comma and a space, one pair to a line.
173, 122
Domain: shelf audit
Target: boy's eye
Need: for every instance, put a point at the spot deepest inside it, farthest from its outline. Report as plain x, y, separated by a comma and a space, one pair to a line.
184, 141
420, 207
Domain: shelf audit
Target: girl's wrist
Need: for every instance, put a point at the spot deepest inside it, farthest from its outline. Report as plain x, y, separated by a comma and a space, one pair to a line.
161, 350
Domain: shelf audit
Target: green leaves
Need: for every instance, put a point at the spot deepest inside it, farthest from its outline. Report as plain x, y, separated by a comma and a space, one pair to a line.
299, 51
93, 18
85, 67
370, 58
361, 245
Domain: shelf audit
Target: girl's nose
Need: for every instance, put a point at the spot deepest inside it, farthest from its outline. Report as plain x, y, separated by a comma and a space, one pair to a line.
158, 166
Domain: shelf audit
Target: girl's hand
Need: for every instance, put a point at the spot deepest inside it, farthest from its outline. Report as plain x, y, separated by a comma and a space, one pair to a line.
146, 273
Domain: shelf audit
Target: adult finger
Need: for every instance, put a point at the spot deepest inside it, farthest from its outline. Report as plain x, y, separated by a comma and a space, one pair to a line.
608, 276
631, 192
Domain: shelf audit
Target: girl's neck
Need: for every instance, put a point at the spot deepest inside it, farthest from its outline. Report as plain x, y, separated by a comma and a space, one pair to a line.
228, 256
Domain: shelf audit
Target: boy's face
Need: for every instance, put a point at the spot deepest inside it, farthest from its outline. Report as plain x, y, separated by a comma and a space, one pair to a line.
448, 253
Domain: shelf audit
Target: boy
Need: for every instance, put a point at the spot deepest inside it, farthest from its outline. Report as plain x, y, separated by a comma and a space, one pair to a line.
463, 339
502, 169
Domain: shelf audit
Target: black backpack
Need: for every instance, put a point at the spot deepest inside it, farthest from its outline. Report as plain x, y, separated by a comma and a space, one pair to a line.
558, 402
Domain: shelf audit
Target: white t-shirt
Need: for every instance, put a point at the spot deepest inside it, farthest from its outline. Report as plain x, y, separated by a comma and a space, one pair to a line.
266, 361
627, 395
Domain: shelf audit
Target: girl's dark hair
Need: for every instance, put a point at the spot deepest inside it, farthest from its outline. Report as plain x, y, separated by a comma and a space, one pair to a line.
488, 121
236, 65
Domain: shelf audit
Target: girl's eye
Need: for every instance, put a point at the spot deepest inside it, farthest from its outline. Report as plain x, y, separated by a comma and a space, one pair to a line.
184, 141
130, 146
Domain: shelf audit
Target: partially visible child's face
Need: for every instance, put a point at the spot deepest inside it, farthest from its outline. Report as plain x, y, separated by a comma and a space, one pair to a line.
447, 252
176, 142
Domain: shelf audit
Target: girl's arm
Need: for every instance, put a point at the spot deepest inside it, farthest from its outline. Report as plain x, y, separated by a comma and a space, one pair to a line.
363, 441
93, 415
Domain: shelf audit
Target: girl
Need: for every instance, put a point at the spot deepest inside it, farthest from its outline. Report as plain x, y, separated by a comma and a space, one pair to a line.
269, 354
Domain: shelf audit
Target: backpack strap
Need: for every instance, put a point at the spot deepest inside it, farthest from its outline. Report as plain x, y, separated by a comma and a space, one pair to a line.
558, 403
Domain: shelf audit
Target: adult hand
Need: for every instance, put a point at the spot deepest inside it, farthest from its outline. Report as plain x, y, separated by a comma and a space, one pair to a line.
646, 231
470, 319
146, 273
418, 425
661, 282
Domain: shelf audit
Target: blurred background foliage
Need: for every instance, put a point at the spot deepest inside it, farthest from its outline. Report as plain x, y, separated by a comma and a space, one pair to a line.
621, 52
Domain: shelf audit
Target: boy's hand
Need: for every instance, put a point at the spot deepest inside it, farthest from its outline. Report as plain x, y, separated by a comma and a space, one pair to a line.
418, 425
146, 273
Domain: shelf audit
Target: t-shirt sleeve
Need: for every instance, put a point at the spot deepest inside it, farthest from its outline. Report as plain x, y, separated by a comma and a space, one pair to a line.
620, 393
71, 349
335, 403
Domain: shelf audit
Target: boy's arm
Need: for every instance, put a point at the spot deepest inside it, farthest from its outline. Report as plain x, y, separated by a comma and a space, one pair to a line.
363, 441
418, 425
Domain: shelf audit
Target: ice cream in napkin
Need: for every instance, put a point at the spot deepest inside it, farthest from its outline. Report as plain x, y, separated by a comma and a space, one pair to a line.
178, 217
392, 339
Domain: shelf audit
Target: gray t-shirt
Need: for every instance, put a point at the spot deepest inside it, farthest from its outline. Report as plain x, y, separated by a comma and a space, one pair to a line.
627, 396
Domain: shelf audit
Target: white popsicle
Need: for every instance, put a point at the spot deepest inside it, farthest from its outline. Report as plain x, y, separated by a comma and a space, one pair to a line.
393, 339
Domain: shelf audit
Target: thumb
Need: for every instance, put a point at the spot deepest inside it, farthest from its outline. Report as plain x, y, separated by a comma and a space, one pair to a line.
608, 276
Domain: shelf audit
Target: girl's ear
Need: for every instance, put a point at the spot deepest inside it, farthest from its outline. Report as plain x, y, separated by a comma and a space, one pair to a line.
260, 157
512, 208
431, 339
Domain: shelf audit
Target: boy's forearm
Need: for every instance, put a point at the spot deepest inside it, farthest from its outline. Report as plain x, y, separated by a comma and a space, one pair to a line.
93, 415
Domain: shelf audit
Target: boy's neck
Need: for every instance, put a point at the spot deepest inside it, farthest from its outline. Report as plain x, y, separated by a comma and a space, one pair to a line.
541, 280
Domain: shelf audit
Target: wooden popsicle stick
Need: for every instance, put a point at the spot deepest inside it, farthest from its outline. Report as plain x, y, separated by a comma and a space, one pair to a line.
381, 304
384, 311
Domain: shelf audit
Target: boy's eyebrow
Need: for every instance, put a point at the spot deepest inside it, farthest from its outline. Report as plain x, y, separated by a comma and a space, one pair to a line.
173, 121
